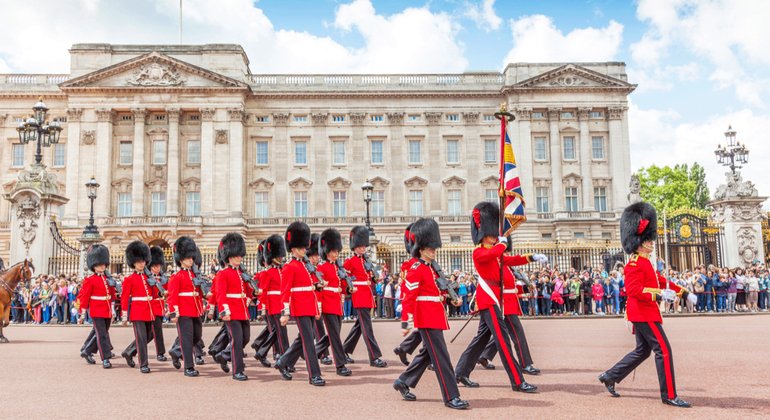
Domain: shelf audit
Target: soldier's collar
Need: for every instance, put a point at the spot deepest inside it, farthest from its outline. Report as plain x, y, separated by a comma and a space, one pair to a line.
487, 246
423, 261
643, 255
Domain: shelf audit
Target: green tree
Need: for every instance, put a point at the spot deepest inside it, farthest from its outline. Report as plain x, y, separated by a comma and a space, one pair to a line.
668, 188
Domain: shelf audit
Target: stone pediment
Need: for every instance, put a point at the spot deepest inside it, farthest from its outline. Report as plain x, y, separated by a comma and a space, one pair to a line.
261, 183
152, 71
573, 76
339, 182
156, 185
490, 180
300, 181
379, 181
122, 185
416, 181
454, 180
191, 184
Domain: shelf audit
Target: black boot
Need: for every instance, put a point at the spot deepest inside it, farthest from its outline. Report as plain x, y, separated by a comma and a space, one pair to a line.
198, 360
219, 358
317, 381
531, 370
457, 404
348, 360
525, 387
485, 364
378, 363
609, 384
282, 370
401, 355
162, 358
89, 359
129, 359
106, 364
190, 372
677, 402
325, 360
343, 371
403, 389
240, 376
175, 362
430, 367
262, 360
466, 381
144, 369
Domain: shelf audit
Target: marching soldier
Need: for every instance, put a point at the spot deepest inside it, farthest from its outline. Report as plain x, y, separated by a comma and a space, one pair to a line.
270, 283
313, 255
299, 300
219, 348
332, 298
363, 300
96, 297
265, 333
139, 295
185, 305
410, 344
487, 259
645, 290
423, 308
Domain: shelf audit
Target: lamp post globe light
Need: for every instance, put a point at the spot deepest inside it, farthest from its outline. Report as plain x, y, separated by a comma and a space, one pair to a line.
93, 188
367, 189
36, 128
733, 152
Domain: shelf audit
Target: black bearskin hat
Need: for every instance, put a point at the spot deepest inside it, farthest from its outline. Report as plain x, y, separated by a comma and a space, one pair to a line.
157, 257
485, 221
232, 245
426, 235
98, 255
198, 259
184, 248
137, 251
274, 248
261, 254
408, 239
298, 235
314, 242
638, 224
331, 240
359, 236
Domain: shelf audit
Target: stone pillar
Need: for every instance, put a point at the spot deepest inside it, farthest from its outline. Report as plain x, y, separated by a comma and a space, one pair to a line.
554, 115
86, 242
72, 180
320, 166
397, 166
282, 156
237, 151
172, 188
137, 162
525, 158
207, 161
617, 161
434, 160
104, 118
586, 155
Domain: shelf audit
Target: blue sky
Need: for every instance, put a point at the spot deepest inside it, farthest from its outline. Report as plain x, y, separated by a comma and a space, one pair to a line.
700, 64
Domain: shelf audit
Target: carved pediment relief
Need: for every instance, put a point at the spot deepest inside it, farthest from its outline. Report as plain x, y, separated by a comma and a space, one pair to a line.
8, 186
191, 184
379, 182
122, 185
156, 185
492, 180
157, 131
416, 181
339, 182
453, 181
572, 76
300, 182
569, 130
261, 183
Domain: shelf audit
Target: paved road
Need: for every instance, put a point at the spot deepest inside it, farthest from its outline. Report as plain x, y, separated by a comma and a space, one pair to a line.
721, 367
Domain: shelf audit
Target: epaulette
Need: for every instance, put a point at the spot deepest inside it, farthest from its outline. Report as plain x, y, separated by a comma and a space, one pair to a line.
634, 257
415, 265
322, 263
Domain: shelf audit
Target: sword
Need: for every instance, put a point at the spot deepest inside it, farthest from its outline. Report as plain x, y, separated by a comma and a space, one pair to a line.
461, 329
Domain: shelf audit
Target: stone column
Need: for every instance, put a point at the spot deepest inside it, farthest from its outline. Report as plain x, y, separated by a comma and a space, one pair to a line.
741, 218
73, 162
104, 118
434, 160
525, 159
237, 151
172, 188
322, 150
207, 161
616, 158
586, 156
137, 161
281, 158
397, 165
554, 115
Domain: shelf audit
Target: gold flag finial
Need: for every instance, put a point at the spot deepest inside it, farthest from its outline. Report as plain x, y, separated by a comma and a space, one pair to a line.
503, 107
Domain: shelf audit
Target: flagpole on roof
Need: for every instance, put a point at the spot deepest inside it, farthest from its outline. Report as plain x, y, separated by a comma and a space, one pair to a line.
180, 22
504, 116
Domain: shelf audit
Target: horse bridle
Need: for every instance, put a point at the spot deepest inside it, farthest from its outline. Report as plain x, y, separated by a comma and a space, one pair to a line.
26, 275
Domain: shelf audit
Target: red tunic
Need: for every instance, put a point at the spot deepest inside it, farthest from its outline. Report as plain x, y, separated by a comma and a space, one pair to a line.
158, 305
363, 297
139, 293
183, 297
271, 286
423, 300
233, 291
211, 303
297, 297
486, 259
97, 296
404, 272
643, 286
333, 294
511, 293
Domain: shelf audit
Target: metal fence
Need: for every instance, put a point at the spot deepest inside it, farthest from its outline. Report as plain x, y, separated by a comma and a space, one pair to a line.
65, 256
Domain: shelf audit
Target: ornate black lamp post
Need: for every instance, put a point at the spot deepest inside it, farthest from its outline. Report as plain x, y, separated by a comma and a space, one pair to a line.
368, 188
92, 187
733, 153
36, 128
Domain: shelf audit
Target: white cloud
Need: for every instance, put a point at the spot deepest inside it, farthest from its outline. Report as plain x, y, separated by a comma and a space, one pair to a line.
484, 16
536, 39
662, 78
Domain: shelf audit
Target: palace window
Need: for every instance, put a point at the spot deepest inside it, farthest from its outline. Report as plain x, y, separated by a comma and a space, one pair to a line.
124, 205
452, 151
579, 235
18, 155
193, 207
453, 206
158, 204
571, 195
339, 152
546, 236
414, 118
338, 118
538, 115
489, 117
454, 239
194, 117
569, 148
300, 204
490, 151
453, 117
597, 146
262, 118
261, 208
567, 115
541, 151
300, 119
160, 117
607, 235
300, 153
126, 117
415, 203
194, 151
542, 200
414, 151
378, 203
376, 118
158, 152
377, 152
492, 196
340, 207
126, 152
600, 198
262, 157
596, 115
59, 155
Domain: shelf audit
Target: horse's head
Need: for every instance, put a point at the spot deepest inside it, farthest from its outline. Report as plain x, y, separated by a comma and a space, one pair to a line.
27, 270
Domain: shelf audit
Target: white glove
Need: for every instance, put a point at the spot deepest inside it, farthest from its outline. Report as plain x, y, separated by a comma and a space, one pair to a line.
398, 309
540, 258
668, 295
502, 239
693, 298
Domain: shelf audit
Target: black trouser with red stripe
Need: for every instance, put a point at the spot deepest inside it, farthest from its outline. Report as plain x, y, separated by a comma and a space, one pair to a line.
240, 333
516, 333
434, 351
92, 343
278, 335
490, 324
155, 334
142, 334
331, 338
304, 345
190, 330
220, 341
102, 334
319, 332
411, 342
649, 337
363, 326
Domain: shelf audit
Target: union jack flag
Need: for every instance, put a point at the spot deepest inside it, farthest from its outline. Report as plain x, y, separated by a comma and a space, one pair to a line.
511, 196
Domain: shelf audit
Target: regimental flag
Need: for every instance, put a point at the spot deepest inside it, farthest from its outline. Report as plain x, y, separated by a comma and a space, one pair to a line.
510, 184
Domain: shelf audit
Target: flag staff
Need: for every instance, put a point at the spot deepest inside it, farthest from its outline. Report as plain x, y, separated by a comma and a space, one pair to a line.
504, 116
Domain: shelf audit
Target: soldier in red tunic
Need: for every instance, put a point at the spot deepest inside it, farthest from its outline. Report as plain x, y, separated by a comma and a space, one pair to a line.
487, 259
410, 344
363, 299
646, 289
423, 308
332, 298
274, 253
96, 297
299, 300
265, 333
185, 305
139, 295
313, 257
233, 296
158, 268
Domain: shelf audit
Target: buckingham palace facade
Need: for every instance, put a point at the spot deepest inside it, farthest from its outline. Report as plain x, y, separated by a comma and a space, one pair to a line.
186, 140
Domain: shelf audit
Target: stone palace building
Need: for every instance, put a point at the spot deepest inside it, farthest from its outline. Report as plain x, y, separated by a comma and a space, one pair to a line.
184, 139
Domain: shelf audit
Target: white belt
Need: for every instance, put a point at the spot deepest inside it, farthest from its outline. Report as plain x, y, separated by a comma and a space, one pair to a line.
430, 299
303, 289
333, 289
488, 290
133, 299
510, 291
189, 294
274, 292
360, 283
235, 295
99, 298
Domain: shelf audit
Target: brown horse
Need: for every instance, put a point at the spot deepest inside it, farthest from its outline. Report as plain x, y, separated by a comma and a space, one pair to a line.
8, 280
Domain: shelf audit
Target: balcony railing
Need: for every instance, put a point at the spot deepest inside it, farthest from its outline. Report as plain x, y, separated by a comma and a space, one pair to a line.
352, 220
361, 79
33, 79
